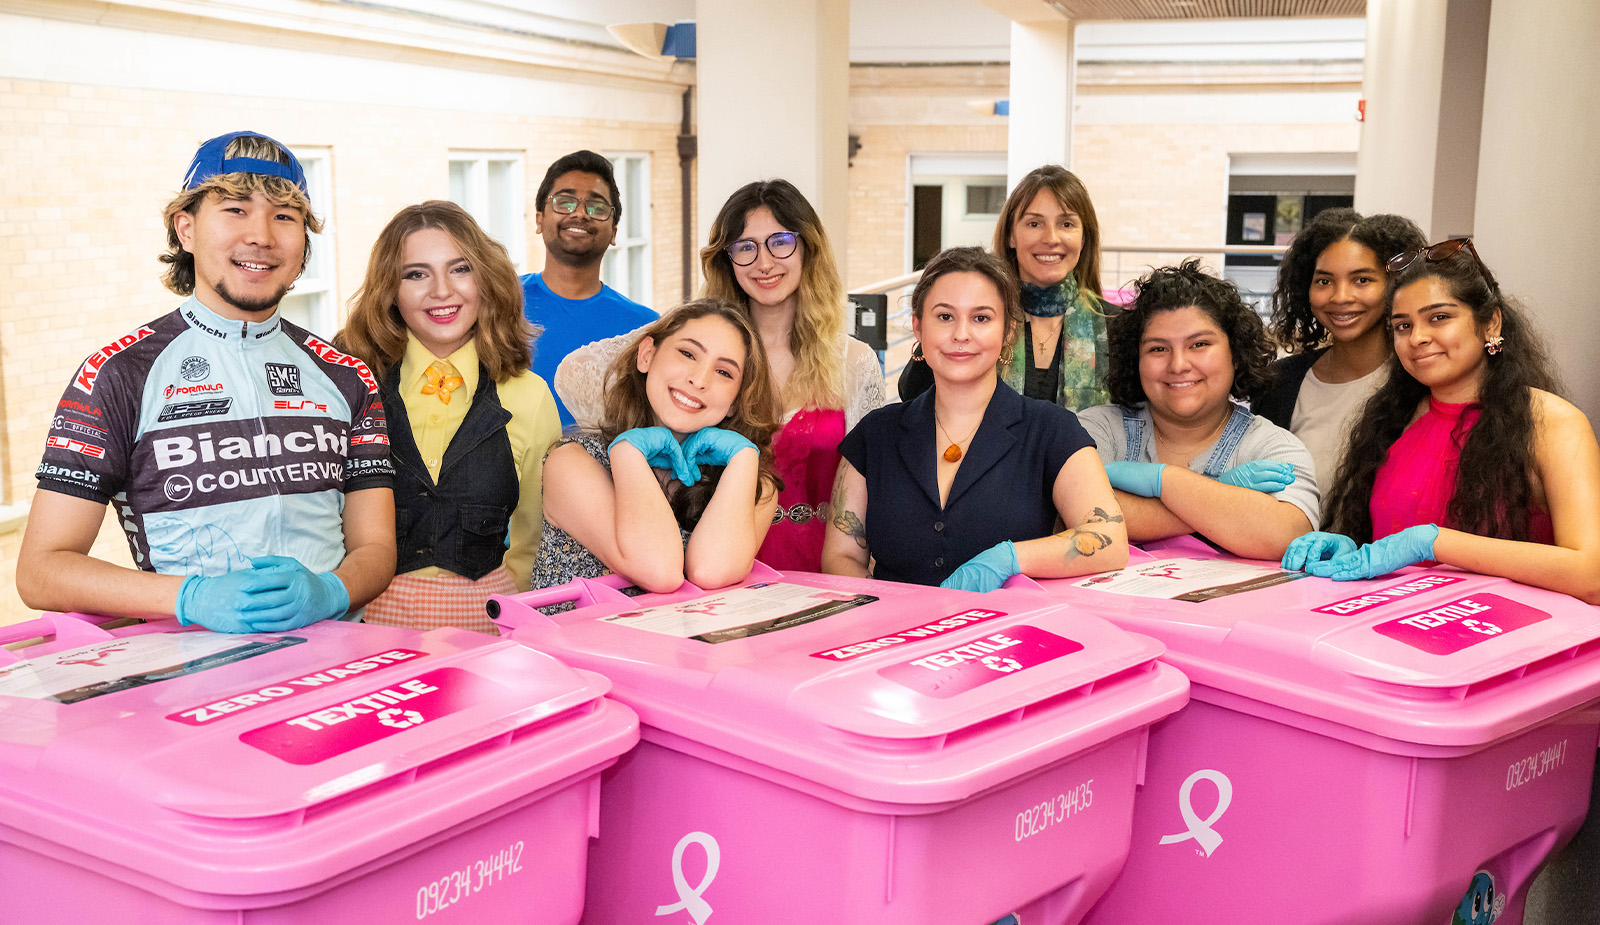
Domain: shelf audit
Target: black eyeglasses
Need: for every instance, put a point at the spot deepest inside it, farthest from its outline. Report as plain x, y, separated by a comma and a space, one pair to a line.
597, 209
1434, 253
780, 244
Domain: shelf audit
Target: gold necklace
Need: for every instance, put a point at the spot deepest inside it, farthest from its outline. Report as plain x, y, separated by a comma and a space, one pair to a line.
952, 453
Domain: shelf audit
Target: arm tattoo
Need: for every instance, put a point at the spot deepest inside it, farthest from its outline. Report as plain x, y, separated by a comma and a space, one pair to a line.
1099, 516
844, 520
1083, 543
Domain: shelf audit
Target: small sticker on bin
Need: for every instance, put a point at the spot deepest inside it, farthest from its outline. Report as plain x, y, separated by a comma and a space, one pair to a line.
1460, 623
336, 728
959, 669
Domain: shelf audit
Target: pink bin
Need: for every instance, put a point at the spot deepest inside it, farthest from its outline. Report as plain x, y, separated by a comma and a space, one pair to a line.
1402, 750
821, 749
338, 773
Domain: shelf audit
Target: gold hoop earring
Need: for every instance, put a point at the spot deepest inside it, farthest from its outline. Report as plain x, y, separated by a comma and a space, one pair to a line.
916, 353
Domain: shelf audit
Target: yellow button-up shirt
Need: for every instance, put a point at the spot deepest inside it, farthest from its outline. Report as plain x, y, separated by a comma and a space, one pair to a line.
534, 425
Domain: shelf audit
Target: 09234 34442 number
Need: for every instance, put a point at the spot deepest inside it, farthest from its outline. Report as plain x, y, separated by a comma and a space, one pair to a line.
477, 876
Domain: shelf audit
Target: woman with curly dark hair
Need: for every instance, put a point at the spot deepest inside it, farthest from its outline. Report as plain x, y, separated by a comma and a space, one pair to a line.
1182, 454
1327, 311
1464, 456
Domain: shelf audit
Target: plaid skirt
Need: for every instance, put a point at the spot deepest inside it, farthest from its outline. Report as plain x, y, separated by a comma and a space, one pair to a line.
443, 600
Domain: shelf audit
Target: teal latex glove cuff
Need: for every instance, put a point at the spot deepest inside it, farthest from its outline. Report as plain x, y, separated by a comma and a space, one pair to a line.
987, 570
1315, 547
1136, 478
222, 603
1262, 475
661, 450
713, 446
291, 595
1395, 551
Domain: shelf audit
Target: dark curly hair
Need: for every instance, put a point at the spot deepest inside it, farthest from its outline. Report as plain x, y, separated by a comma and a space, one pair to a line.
1494, 481
1295, 327
1187, 286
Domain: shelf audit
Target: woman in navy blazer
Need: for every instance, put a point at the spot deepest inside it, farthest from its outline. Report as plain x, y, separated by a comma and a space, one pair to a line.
970, 482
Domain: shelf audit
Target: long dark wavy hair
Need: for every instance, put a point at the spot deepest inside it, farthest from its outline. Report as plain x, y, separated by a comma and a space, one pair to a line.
1494, 480
1184, 286
754, 413
1293, 324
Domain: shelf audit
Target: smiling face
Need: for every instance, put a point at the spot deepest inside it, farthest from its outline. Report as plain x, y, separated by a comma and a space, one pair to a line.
962, 328
438, 294
247, 253
576, 239
1185, 366
769, 281
1347, 292
1438, 341
692, 377
1047, 239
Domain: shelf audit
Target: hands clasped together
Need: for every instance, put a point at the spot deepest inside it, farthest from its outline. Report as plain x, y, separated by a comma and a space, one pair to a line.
275, 594
1330, 555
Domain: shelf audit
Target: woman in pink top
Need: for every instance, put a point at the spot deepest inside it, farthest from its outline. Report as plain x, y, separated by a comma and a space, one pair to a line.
1464, 456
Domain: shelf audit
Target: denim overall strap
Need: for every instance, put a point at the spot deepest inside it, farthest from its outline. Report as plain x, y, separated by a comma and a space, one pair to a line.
1133, 435
1238, 423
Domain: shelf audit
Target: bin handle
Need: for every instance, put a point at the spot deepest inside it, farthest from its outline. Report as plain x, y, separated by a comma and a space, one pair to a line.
69, 630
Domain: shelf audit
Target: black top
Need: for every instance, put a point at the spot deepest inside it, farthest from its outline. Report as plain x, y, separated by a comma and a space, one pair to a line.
1002, 490
1041, 381
1276, 404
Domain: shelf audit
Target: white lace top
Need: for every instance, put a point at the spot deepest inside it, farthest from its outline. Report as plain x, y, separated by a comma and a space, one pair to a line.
580, 379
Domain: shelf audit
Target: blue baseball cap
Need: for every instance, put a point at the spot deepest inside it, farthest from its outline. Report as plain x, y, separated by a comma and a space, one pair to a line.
211, 161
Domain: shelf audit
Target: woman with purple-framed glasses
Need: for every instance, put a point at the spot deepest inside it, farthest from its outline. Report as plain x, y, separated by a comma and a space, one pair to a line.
1465, 455
770, 255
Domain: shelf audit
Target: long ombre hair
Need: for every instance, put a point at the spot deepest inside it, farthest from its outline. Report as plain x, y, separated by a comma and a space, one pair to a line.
754, 413
377, 334
1494, 477
1072, 196
818, 377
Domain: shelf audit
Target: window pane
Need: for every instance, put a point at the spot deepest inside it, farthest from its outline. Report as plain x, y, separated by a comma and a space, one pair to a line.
634, 190
986, 199
636, 274
458, 182
306, 311
500, 220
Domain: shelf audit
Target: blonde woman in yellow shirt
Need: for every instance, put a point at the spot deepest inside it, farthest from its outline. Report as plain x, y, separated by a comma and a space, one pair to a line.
439, 321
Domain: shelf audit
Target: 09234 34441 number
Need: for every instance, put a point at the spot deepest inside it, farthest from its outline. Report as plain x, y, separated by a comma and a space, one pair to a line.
458, 885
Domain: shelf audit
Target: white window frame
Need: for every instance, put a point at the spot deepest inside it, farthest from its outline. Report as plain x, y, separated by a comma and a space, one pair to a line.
635, 204
477, 193
318, 286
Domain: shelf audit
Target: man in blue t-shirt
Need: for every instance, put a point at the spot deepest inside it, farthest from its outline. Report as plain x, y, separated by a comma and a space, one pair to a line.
578, 215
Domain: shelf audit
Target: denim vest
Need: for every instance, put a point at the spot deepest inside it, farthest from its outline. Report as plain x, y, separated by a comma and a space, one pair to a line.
461, 522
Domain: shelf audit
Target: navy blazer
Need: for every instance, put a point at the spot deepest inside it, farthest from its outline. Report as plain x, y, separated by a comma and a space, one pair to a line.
1002, 489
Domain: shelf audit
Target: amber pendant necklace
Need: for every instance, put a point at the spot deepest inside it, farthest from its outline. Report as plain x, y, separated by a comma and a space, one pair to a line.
952, 453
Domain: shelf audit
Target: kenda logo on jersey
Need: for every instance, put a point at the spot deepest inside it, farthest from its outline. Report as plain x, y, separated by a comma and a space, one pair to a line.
91, 367
329, 355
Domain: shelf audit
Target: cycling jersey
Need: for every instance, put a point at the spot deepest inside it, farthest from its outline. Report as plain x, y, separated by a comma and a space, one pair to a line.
220, 440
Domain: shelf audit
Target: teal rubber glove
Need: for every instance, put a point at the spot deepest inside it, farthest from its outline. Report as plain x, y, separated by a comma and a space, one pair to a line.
223, 603
1136, 478
1262, 475
987, 570
291, 595
1315, 547
1395, 551
661, 450
713, 446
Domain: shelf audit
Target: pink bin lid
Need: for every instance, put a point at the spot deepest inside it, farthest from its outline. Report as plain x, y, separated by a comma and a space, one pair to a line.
254, 763
1431, 656
890, 692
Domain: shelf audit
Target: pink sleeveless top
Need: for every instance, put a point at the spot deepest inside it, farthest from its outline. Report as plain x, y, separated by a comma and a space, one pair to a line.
1415, 483
806, 452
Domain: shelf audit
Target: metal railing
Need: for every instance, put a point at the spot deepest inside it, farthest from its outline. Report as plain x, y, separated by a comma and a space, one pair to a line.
1117, 270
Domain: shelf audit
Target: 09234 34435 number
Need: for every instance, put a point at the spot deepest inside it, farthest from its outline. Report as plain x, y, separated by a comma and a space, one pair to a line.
477, 876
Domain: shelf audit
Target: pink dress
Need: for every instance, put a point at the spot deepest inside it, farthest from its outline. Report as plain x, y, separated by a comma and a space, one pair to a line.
807, 456
1416, 481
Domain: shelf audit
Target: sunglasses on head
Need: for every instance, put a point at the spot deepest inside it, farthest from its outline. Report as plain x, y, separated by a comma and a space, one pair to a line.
1434, 253
597, 209
779, 244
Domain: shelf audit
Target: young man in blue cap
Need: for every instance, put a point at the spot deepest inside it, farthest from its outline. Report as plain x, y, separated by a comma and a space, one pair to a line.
247, 459
578, 216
